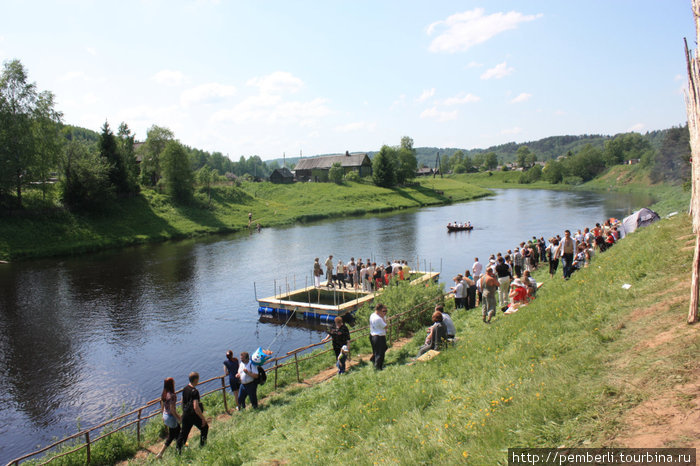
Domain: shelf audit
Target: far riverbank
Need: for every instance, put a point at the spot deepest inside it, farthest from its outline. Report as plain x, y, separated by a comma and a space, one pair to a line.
152, 217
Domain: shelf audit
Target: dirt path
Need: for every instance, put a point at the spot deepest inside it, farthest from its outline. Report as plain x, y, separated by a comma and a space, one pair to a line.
669, 385
323, 376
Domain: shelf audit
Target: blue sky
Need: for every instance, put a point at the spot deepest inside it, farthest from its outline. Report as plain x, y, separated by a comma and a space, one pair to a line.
272, 77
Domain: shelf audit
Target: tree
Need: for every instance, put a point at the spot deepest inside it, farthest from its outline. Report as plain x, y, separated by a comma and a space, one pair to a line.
205, 177
522, 156
336, 172
585, 164
672, 163
118, 176
490, 161
456, 160
125, 143
406, 163
17, 105
177, 172
553, 172
85, 183
47, 138
157, 138
624, 147
383, 168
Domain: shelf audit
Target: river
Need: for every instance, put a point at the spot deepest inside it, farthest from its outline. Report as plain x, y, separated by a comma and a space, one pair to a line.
83, 337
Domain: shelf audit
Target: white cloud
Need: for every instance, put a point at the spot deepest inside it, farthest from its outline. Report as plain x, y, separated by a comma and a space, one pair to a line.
141, 117
91, 50
276, 83
678, 77
207, 94
170, 78
272, 109
464, 30
90, 98
439, 115
356, 126
400, 102
560, 113
461, 98
523, 97
514, 130
636, 127
73, 75
427, 93
473, 64
497, 72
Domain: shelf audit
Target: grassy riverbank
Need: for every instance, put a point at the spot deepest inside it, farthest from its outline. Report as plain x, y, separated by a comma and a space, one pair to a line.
151, 217
570, 369
620, 178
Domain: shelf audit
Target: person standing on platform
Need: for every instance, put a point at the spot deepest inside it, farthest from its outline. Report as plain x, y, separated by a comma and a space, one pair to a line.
377, 336
329, 272
318, 272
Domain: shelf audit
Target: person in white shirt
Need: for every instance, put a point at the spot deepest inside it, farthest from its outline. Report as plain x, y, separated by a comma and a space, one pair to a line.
477, 269
447, 320
247, 374
377, 336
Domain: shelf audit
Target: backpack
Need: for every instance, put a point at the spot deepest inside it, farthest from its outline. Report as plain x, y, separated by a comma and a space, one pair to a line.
262, 376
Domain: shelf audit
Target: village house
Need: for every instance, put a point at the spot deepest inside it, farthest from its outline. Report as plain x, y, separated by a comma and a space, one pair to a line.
317, 168
281, 176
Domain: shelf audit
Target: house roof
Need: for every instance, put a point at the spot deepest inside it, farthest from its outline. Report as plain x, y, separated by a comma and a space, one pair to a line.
327, 161
283, 172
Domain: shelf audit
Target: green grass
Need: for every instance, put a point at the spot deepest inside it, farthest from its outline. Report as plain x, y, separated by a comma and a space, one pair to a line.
45, 229
547, 376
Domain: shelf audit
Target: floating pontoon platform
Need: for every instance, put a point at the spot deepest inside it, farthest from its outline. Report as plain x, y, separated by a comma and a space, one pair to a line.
324, 303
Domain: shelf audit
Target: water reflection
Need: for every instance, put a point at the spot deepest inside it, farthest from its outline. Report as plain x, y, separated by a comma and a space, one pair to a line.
81, 337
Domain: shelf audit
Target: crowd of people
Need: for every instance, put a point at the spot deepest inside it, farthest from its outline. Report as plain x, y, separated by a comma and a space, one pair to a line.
366, 276
243, 378
506, 281
457, 224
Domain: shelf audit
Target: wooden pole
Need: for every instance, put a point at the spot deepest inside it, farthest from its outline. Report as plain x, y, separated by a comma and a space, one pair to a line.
223, 394
138, 428
87, 447
276, 366
296, 364
692, 100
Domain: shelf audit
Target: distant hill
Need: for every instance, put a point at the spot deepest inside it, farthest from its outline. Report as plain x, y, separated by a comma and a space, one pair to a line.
547, 148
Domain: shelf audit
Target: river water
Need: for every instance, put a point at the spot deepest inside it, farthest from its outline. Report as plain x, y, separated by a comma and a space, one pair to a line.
82, 338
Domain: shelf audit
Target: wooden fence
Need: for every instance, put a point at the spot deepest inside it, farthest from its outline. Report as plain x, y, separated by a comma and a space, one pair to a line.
154, 407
